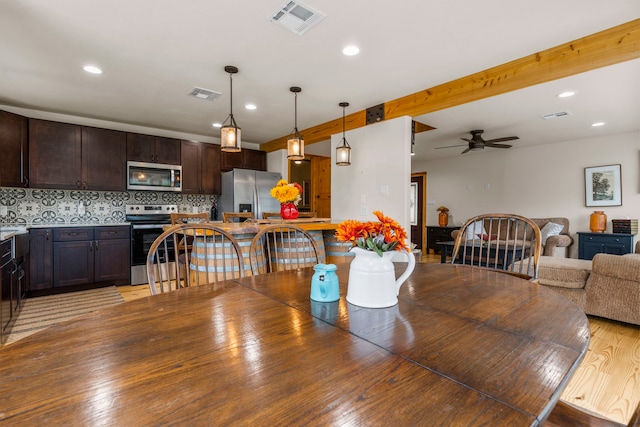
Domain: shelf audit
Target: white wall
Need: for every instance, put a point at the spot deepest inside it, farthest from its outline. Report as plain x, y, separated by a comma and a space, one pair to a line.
380, 157
537, 182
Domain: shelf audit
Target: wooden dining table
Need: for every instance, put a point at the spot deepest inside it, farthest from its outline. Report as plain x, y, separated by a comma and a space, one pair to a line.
463, 346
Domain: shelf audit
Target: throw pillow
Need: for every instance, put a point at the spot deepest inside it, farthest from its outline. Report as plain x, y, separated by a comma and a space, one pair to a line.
550, 229
473, 230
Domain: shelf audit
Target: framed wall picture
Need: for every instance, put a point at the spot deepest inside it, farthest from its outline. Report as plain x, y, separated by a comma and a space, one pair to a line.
603, 186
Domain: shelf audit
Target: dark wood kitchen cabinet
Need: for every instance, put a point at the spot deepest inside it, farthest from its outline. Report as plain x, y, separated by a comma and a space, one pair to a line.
153, 149
55, 154
245, 159
68, 156
15, 150
104, 159
40, 259
200, 168
85, 255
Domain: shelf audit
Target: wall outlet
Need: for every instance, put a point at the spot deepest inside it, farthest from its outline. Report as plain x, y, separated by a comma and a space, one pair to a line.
81, 210
3, 210
195, 209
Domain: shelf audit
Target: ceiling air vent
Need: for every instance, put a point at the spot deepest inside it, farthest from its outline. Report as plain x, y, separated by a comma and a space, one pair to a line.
202, 93
556, 115
296, 17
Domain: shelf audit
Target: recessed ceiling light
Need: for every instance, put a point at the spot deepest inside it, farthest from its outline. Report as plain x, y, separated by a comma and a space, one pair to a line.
250, 107
566, 94
92, 69
217, 125
596, 124
351, 50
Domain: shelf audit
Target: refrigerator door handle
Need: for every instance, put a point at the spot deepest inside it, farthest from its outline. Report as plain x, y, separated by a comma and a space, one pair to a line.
256, 203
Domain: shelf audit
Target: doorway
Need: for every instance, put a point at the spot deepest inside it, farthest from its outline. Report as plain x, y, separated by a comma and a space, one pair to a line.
314, 175
419, 210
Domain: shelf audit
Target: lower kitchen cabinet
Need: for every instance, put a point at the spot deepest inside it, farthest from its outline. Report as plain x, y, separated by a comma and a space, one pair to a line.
40, 259
80, 256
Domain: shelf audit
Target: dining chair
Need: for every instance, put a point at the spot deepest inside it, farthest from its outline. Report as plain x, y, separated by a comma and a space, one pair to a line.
271, 215
306, 214
232, 216
185, 218
506, 242
215, 255
280, 247
565, 414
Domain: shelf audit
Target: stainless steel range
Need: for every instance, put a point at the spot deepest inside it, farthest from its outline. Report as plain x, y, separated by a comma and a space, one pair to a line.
146, 225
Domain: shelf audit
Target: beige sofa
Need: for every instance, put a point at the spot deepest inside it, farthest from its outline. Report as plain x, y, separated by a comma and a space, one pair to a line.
608, 286
555, 245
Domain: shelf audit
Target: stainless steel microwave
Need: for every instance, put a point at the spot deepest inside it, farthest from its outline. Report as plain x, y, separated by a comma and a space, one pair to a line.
153, 176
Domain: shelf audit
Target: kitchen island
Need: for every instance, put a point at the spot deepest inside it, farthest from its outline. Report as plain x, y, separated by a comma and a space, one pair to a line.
322, 229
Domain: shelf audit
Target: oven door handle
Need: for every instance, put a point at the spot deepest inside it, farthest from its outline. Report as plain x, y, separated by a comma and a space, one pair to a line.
146, 226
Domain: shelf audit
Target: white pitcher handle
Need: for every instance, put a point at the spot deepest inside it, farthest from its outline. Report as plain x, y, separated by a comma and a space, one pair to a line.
412, 263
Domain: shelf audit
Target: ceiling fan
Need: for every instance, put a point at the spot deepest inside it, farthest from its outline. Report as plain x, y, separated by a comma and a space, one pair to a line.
478, 143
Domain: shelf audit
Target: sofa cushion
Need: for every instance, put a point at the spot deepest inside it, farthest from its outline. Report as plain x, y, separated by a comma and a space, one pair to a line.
473, 230
550, 229
563, 272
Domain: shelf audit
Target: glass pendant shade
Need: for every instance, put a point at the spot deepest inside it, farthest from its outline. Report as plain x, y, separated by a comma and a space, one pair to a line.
295, 147
230, 134
343, 151
230, 138
295, 142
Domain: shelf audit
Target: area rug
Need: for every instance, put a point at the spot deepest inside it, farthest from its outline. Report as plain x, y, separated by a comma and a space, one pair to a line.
43, 312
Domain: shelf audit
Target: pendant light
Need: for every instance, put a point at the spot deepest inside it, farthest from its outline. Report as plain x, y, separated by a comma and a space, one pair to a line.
230, 133
343, 151
295, 143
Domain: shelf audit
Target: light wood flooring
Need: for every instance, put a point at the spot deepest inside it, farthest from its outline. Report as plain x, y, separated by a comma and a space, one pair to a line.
608, 380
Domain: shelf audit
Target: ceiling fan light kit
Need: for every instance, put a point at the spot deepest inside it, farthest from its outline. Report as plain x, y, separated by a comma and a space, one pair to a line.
230, 134
295, 142
343, 151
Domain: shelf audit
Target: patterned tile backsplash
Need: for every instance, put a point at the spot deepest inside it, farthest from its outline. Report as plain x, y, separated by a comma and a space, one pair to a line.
32, 207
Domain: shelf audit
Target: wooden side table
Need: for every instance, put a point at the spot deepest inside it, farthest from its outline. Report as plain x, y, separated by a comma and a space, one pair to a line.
590, 244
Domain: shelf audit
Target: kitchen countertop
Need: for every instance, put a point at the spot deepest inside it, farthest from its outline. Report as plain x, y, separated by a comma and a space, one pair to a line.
8, 231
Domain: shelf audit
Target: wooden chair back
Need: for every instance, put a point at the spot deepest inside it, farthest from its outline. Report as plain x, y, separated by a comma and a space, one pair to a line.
215, 255
507, 242
565, 414
271, 215
307, 215
185, 218
281, 247
232, 216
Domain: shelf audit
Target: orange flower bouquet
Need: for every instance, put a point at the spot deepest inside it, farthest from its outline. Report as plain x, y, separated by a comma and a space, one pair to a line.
383, 236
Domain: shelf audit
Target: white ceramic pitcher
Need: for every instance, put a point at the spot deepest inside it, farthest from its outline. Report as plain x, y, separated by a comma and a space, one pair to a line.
372, 279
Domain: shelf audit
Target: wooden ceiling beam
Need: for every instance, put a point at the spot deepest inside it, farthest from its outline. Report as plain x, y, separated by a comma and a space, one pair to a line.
608, 47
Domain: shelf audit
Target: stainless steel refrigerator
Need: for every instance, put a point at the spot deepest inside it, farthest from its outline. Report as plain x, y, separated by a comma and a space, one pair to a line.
245, 190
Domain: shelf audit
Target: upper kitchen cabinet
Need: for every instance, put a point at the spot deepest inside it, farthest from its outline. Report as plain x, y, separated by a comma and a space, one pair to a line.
68, 156
200, 168
153, 149
55, 155
15, 150
104, 159
245, 159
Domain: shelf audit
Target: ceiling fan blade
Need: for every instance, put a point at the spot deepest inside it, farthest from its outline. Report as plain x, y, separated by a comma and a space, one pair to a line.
467, 139
467, 150
506, 138
497, 145
452, 146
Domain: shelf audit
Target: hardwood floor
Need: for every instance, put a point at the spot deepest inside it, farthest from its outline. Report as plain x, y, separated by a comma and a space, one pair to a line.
608, 380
